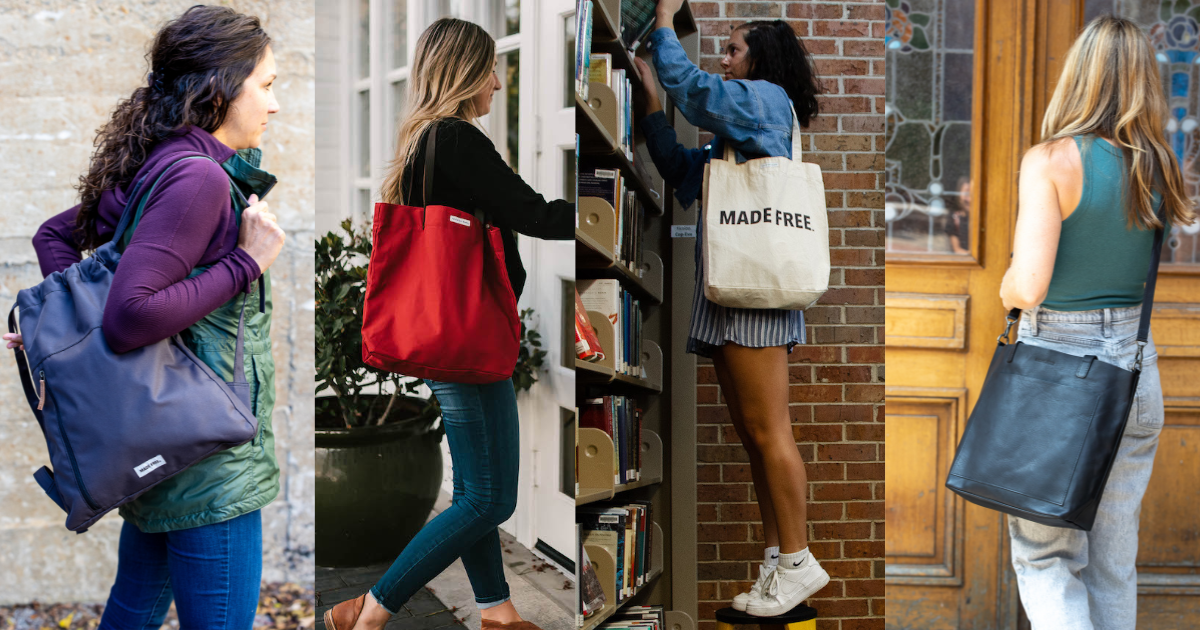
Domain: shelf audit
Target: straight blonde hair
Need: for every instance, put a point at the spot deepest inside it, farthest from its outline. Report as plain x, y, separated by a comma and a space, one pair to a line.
453, 64
1110, 86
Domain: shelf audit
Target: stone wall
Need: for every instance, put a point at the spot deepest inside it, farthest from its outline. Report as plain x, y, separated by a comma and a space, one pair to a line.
64, 64
836, 390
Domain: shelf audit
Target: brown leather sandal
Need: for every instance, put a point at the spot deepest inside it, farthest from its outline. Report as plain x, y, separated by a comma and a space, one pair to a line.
488, 624
345, 615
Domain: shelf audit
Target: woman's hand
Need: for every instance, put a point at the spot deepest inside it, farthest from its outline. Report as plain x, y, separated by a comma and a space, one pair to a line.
649, 86
14, 341
665, 13
260, 234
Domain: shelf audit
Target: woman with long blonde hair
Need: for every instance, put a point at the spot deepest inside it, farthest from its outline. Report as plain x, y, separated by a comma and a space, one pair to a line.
451, 87
1092, 194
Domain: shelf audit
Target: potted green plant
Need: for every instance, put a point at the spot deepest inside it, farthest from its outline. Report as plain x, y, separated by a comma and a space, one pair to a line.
378, 454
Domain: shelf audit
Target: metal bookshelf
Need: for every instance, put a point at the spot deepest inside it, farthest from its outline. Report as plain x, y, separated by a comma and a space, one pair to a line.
668, 482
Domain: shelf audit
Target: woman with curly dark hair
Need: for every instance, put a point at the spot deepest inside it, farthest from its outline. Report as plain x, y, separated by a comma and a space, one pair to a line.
767, 76
194, 252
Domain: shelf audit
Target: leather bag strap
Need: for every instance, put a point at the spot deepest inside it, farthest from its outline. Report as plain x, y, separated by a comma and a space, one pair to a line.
430, 146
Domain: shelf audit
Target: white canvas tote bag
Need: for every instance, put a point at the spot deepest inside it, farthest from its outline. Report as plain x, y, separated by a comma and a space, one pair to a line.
766, 231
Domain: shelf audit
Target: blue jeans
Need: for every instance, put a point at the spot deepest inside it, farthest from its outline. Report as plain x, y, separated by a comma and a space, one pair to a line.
1071, 579
482, 430
213, 572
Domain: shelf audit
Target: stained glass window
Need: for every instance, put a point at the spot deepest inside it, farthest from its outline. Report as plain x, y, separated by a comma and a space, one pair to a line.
930, 76
1175, 33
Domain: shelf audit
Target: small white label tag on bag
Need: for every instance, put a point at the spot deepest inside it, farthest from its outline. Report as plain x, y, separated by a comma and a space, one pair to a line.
460, 220
145, 468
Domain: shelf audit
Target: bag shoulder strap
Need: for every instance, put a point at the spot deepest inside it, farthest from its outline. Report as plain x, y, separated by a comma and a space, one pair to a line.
134, 207
426, 167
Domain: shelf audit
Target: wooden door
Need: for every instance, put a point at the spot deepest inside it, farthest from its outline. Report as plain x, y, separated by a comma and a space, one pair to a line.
947, 561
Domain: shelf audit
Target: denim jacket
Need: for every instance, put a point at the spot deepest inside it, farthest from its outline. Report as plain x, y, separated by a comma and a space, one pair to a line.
754, 116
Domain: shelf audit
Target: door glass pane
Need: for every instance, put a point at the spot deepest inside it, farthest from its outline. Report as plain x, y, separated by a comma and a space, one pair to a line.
366, 209
364, 133
568, 59
930, 59
364, 38
399, 33
510, 74
569, 164
566, 452
1173, 29
512, 17
399, 96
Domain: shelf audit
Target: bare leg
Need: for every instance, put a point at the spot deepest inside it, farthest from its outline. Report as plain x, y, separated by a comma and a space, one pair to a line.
765, 507
759, 379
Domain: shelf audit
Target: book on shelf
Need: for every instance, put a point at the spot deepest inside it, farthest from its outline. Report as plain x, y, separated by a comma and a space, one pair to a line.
637, 22
605, 528
611, 185
620, 417
601, 69
587, 345
626, 527
583, 46
617, 79
623, 313
591, 593
637, 618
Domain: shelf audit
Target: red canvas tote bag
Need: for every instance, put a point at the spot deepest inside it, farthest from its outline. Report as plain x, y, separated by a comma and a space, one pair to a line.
438, 303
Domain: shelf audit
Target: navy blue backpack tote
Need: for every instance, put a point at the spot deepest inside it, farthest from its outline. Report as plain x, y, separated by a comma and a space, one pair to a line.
117, 424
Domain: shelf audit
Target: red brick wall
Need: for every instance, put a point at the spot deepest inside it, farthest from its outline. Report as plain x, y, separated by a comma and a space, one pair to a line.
836, 390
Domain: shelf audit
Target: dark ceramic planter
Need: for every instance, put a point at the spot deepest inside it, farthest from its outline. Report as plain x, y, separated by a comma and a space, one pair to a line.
375, 489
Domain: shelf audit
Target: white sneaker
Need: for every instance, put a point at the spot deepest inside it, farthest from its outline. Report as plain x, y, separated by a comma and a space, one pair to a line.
788, 586
741, 599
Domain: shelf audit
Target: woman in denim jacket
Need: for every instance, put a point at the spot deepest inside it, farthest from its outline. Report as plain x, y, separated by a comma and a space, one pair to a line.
767, 73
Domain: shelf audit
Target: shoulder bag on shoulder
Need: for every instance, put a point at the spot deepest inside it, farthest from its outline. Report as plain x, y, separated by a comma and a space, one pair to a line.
1043, 436
438, 303
117, 425
766, 231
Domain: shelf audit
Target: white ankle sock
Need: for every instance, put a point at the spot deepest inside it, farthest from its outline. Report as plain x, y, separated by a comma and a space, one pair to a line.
792, 561
771, 557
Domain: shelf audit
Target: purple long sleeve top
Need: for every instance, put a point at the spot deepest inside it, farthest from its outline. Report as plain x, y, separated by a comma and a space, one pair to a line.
188, 222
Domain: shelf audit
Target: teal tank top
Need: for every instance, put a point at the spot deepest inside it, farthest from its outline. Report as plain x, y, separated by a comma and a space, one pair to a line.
1100, 263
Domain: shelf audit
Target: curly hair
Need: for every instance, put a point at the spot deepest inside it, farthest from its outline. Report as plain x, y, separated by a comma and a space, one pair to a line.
198, 63
778, 56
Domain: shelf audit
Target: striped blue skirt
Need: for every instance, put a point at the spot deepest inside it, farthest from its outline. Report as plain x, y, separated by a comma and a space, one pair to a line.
714, 325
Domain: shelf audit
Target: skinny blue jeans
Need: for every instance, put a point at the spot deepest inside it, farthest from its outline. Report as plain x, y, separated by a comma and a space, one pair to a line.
482, 430
213, 572
1071, 579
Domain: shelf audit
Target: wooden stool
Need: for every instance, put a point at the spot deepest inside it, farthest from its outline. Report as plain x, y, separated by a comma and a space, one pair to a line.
799, 618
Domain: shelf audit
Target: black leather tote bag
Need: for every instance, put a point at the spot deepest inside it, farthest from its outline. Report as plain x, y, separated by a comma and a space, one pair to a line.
1043, 436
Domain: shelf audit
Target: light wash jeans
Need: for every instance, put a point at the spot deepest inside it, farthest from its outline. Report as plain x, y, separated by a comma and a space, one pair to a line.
1071, 579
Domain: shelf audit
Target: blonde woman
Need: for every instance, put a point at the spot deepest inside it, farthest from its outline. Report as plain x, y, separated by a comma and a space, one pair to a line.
453, 80
1089, 194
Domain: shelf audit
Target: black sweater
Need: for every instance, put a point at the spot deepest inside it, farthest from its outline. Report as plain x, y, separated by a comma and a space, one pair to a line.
469, 175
